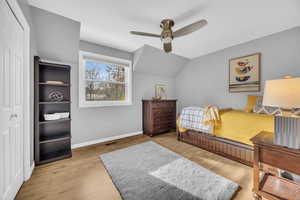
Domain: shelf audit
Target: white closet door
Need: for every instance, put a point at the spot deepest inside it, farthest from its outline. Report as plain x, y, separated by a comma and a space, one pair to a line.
11, 103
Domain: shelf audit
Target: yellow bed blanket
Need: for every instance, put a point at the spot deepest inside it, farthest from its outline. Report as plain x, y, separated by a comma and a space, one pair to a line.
241, 126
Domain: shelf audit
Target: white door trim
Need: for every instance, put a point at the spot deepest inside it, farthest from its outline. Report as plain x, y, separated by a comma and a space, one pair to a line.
27, 125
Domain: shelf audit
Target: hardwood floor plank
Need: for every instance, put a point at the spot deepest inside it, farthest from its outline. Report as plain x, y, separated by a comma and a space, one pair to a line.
84, 176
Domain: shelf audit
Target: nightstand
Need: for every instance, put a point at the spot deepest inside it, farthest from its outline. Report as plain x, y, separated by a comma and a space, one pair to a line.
270, 186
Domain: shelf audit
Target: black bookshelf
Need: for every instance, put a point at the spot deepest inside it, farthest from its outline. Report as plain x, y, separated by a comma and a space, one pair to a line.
52, 138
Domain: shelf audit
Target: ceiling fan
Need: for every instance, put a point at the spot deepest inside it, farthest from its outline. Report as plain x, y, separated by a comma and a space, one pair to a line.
167, 35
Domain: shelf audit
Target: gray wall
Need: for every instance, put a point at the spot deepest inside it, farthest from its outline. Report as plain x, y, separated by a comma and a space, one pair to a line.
102, 122
108, 51
57, 37
205, 79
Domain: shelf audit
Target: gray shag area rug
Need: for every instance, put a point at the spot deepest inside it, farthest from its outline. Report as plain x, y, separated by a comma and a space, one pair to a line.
150, 171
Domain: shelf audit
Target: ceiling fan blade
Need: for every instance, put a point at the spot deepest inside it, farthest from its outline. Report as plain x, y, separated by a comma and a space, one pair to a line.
168, 47
144, 34
190, 28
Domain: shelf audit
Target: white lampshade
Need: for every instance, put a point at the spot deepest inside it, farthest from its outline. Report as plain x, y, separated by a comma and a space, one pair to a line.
283, 93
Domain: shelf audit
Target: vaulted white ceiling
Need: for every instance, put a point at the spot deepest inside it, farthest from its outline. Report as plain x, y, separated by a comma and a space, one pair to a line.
154, 61
230, 22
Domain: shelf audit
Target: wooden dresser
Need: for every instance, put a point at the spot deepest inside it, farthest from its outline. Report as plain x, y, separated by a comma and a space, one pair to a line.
271, 186
159, 116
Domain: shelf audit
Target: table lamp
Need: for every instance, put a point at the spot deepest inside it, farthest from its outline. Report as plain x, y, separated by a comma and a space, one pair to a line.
285, 94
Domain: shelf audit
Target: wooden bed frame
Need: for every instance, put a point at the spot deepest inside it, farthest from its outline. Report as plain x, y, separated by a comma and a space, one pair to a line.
231, 149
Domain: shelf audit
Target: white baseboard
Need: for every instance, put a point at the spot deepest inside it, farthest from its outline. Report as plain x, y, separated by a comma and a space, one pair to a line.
29, 172
83, 144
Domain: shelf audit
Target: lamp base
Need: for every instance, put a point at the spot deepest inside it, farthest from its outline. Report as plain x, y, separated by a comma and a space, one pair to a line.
287, 131
287, 112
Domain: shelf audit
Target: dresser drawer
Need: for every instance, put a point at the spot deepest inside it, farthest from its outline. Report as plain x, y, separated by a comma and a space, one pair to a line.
164, 104
163, 111
157, 115
163, 121
163, 127
280, 159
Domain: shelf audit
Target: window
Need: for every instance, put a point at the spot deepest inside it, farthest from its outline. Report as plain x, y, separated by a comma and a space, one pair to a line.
103, 80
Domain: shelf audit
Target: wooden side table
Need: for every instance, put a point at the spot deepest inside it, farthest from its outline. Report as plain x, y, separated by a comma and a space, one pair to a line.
272, 187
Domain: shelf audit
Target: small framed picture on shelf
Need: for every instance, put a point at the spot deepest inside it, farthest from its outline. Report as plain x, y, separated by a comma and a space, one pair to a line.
160, 91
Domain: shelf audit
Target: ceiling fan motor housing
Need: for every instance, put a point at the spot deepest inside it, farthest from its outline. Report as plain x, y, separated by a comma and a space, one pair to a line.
167, 24
167, 33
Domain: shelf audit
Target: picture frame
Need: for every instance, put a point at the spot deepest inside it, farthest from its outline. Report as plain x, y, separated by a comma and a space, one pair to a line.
244, 73
161, 91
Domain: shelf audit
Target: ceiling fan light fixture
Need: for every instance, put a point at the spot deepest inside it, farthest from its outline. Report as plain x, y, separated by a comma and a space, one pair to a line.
167, 40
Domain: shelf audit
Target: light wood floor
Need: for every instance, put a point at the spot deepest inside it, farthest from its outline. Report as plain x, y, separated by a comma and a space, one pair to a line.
83, 177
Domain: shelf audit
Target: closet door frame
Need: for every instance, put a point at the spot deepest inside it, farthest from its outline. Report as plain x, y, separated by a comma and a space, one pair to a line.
27, 85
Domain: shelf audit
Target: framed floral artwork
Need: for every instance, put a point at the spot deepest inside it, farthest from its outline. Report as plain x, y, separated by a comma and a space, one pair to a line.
244, 73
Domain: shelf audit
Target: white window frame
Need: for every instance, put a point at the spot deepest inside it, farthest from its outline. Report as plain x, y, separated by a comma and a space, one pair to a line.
108, 59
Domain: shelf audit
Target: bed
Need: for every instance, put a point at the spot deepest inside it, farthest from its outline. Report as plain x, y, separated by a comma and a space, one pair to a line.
232, 138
